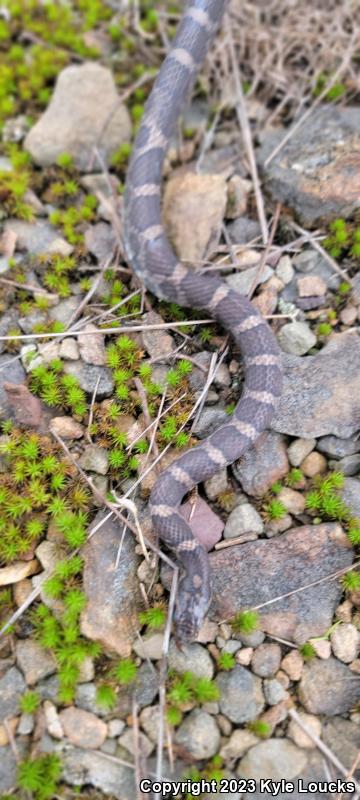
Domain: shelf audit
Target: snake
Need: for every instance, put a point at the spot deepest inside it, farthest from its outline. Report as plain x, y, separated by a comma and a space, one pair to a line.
151, 256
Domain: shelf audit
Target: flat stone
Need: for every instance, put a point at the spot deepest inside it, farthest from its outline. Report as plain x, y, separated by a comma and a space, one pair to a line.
100, 240
261, 466
243, 518
285, 270
81, 767
199, 734
69, 349
317, 171
296, 338
38, 237
298, 735
24, 407
345, 642
9, 766
12, 687
95, 459
328, 687
266, 660
275, 759
241, 697
88, 375
293, 664
350, 493
111, 614
342, 737
66, 428
336, 447
239, 743
64, 310
18, 571
315, 400
157, 342
312, 550
244, 230
92, 346
74, 120
11, 372
34, 661
194, 203
244, 280
141, 744
193, 658
274, 692
150, 646
82, 728
206, 526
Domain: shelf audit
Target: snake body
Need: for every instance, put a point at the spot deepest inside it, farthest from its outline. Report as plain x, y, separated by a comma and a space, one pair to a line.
151, 256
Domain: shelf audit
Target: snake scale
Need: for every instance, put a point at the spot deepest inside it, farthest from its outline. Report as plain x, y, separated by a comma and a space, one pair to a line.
152, 258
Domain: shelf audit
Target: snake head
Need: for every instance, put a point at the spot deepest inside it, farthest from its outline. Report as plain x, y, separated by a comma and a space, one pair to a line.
191, 606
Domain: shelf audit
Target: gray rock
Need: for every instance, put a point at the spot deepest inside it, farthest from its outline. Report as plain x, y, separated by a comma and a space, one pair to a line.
243, 230
285, 270
28, 323
92, 346
262, 465
26, 725
110, 616
9, 766
216, 484
243, 281
82, 767
11, 372
34, 662
351, 495
37, 237
241, 697
193, 657
86, 699
95, 459
142, 744
266, 660
328, 687
274, 692
88, 374
315, 551
74, 120
319, 154
146, 686
316, 400
313, 263
210, 419
299, 449
343, 738
100, 240
350, 465
8, 320
12, 686
275, 759
64, 310
243, 518
199, 734
296, 338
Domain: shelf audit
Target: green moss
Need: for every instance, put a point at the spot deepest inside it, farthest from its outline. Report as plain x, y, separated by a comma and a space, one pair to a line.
246, 621
307, 651
40, 776
153, 618
260, 728
29, 702
226, 661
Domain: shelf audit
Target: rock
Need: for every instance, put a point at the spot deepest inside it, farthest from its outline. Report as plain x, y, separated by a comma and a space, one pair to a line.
193, 658
82, 728
9, 766
100, 240
328, 687
322, 648
311, 285
216, 484
150, 646
275, 759
198, 734
237, 191
239, 743
293, 664
66, 428
314, 464
24, 408
317, 171
243, 518
69, 349
209, 420
26, 724
285, 270
52, 720
92, 346
335, 447
263, 465
350, 465
266, 660
82, 767
88, 375
146, 685
351, 495
241, 698
157, 342
343, 738
244, 656
10, 372
143, 745
274, 692
299, 449
206, 526
12, 687
18, 571
316, 400
64, 310
244, 230
194, 209
345, 642
296, 733
110, 616
37, 238
293, 501
115, 727
312, 550
74, 121
34, 661
243, 281
94, 459
149, 720
296, 338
